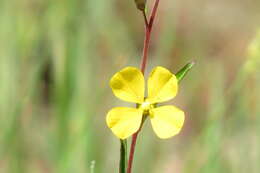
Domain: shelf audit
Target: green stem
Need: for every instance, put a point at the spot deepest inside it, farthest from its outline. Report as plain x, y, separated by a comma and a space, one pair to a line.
123, 156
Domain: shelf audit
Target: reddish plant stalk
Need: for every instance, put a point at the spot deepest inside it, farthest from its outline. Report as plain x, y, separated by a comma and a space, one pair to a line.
148, 30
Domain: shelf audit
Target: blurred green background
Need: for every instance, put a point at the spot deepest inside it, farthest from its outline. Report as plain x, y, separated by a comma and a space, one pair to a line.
56, 60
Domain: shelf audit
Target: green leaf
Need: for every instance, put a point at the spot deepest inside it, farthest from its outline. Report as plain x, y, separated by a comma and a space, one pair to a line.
123, 156
182, 72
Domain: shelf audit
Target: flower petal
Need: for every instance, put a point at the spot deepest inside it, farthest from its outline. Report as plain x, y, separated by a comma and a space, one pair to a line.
162, 85
167, 121
128, 85
124, 121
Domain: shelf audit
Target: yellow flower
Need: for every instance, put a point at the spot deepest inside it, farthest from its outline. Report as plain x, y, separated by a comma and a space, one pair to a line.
129, 85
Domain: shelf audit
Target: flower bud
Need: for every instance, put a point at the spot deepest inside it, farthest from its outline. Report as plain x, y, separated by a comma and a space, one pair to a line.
140, 4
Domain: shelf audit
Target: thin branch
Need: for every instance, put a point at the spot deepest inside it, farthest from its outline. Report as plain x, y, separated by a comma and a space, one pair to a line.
145, 50
145, 18
153, 14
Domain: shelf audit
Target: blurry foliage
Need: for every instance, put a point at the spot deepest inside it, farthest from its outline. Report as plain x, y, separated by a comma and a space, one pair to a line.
56, 58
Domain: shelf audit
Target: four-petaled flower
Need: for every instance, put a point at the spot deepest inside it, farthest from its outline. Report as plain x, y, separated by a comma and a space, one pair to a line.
129, 85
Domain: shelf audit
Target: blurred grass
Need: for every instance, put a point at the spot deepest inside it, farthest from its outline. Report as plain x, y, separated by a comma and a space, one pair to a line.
56, 58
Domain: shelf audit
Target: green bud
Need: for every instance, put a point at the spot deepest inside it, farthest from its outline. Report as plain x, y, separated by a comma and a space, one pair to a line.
182, 72
140, 4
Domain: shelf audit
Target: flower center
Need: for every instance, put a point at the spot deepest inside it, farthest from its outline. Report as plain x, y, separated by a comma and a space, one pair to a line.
146, 107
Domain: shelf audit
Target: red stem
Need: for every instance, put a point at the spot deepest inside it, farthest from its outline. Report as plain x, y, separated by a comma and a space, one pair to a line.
148, 30
155, 7
146, 47
132, 150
